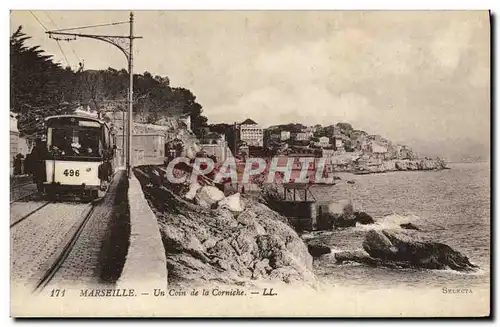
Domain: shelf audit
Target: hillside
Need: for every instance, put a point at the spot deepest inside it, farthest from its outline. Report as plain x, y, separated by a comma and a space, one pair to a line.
40, 88
354, 140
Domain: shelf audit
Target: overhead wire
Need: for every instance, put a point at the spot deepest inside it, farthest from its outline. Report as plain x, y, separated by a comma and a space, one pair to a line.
38, 20
89, 26
46, 30
74, 52
72, 48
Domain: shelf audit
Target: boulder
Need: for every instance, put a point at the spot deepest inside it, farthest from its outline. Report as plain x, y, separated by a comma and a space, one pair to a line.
208, 195
344, 221
247, 217
317, 250
356, 256
363, 218
227, 247
377, 245
409, 226
404, 249
193, 189
232, 203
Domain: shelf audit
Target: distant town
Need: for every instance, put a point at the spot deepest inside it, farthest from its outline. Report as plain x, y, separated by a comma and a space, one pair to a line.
344, 147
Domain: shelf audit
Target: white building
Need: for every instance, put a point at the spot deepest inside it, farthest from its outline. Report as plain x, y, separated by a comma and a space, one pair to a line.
251, 133
303, 136
339, 144
324, 141
285, 135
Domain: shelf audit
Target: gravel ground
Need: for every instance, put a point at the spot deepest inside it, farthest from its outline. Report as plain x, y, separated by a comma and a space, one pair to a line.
19, 192
101, 244
34, 240
20, 209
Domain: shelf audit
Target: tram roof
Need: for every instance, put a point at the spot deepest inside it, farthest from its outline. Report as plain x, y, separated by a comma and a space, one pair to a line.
75, 116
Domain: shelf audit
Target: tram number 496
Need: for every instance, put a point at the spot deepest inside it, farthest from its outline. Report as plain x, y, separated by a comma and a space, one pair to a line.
71, 172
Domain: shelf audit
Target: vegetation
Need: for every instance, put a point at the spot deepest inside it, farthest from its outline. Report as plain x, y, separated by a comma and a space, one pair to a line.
40, 88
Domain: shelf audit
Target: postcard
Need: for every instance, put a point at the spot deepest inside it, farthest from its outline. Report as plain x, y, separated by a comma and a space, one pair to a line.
250, 163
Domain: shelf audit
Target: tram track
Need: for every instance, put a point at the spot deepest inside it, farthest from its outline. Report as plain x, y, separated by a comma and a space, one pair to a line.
29, 214
23, 197
54, 264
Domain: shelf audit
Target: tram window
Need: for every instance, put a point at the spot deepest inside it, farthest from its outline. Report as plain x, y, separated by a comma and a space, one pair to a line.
80, 142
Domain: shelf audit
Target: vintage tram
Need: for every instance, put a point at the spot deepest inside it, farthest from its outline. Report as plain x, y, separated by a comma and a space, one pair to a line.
79, 158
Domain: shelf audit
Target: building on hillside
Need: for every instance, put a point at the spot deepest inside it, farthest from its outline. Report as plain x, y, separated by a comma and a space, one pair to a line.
216, 145
338, 144
303, 136
251, 133
323, 142
285, 135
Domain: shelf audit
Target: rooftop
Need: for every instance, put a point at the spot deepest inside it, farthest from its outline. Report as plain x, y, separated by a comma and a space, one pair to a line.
248, 121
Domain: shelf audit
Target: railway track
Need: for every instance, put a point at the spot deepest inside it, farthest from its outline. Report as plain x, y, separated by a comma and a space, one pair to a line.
23, 197
26, 216
58, 259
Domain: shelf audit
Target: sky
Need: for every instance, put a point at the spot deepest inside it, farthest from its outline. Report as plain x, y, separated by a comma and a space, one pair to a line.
420, 78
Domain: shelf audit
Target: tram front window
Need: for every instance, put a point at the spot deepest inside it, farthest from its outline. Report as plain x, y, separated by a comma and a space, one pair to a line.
80, 142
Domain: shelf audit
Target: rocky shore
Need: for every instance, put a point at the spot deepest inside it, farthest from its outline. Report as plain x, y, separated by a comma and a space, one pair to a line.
399, 165
405, 249
234, 240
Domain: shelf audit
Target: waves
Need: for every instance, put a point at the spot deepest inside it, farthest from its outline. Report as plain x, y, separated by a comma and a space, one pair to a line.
392, 221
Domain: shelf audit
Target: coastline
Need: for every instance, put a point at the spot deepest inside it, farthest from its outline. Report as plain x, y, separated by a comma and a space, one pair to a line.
383, 166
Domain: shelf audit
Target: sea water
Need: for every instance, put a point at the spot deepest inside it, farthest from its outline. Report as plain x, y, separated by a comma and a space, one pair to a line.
451, 206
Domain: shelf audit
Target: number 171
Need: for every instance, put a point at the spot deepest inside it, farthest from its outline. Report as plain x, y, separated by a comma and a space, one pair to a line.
57, 293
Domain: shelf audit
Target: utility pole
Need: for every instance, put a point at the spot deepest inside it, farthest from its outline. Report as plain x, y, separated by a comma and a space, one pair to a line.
121, 43
130, 94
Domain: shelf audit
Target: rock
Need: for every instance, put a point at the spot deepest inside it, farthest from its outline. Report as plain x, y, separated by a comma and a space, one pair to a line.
208, 195
356, 256
232, 202
377, 245
221, 246
193, 189
404, 249
363, 218
247, 217
210, 242
351, 182
409, 226
343, 221
317, 250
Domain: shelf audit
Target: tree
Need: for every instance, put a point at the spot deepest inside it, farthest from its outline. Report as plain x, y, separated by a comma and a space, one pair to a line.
39, 87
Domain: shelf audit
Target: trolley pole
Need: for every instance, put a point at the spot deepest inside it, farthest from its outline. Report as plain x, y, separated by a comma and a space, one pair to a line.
130, 96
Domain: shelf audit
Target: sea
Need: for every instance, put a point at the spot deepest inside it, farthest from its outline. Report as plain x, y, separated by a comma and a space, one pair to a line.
451, 206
